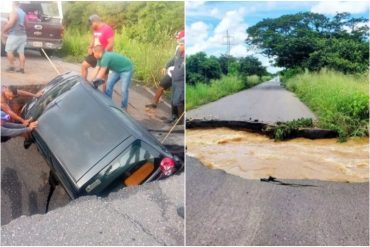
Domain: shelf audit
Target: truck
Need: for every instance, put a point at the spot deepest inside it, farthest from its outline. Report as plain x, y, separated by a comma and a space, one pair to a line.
44, 25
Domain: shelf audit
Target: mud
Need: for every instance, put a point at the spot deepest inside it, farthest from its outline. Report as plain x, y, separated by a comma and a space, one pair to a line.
255, 156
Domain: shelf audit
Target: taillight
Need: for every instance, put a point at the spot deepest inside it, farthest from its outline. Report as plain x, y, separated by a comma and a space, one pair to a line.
62, 32
167, 166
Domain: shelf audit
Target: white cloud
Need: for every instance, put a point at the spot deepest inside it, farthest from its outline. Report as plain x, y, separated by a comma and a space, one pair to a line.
215, 12
332, 7
196, 37
194, 4
233, 23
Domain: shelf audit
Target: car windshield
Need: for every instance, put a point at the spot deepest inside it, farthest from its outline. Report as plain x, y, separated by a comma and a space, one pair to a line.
138, 155
50, 95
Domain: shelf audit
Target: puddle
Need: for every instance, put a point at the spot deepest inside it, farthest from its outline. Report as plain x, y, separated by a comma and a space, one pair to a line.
254, 156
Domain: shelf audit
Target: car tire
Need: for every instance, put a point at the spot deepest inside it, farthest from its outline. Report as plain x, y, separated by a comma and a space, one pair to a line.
3, 52
48, 52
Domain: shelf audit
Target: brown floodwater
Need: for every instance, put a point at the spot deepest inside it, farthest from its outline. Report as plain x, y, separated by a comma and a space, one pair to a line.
255, 156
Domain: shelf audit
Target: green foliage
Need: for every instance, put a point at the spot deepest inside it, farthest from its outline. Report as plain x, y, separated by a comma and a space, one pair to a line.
340, 101
200, 68
145, 21
144, 32
313, 41
285, 130
251, 66
202, 93
289, 73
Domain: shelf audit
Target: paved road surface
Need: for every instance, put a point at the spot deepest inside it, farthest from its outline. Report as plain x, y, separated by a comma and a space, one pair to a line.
223, 209
142, 215
267, 102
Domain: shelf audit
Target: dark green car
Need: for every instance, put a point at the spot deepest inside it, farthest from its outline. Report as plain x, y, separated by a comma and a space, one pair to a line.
91, 146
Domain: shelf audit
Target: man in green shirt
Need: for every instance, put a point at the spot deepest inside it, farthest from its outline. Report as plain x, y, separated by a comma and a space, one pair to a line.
121, 68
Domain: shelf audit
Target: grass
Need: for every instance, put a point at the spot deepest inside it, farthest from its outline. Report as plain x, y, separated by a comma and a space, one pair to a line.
340, 101
201, 93
148, 58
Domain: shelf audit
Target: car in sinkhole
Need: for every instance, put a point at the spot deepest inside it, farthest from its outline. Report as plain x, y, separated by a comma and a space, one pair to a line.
91, 146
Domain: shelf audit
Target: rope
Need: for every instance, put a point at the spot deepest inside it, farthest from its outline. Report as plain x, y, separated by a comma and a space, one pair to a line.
52, 65
169, 132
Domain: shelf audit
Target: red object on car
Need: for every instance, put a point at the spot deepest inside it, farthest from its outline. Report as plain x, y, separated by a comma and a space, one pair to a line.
167, 166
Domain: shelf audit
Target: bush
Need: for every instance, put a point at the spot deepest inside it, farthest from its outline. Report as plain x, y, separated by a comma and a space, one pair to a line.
201, 93
148, 58
340, 101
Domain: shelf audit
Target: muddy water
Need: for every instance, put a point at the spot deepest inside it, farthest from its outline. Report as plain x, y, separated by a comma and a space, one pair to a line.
254, 156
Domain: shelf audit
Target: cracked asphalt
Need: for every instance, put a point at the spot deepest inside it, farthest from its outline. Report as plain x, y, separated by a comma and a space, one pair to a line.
141, 215
223, 209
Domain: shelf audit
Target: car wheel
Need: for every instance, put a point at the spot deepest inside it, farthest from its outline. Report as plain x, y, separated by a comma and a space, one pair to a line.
3, 53
48, 52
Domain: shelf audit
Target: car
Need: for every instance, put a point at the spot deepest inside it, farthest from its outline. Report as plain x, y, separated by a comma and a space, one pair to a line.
91, 146
44, 29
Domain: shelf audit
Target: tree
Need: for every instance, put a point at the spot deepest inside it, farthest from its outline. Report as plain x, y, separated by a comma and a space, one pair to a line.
251, 66
200, 68
314, 41
225, 61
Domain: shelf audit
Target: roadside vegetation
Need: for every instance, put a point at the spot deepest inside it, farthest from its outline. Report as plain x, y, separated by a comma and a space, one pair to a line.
211, 78
145, 32
326, 64
340, 101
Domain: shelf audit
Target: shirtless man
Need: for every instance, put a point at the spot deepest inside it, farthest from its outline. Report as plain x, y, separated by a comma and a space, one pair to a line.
7, 94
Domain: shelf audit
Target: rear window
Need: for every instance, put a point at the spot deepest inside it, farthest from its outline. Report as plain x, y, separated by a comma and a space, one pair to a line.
56, 91
138, 156
50, 9
46, 9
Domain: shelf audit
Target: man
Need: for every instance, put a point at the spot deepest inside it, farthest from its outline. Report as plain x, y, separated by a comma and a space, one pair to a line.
178, 81
103, 35
166, 81
17, 38
10, 130
7, 94
121, 68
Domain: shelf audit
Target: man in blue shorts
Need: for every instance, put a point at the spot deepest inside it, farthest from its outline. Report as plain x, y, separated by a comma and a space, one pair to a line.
17, 38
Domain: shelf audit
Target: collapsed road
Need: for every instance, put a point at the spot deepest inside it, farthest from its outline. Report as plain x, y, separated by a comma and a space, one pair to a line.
245, 189
25, 187
223, 209
141, 215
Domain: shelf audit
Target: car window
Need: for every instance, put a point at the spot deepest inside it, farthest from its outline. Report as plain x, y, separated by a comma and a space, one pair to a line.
42, 103
50, 9
132, 159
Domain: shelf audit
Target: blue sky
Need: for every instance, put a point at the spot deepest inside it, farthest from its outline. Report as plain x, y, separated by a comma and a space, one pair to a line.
207, 22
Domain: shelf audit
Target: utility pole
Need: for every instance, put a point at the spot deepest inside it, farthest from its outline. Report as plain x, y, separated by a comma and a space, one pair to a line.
228, 49
228, 44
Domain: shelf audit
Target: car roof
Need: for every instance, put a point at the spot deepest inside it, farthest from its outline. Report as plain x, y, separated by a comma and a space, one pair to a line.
83, 126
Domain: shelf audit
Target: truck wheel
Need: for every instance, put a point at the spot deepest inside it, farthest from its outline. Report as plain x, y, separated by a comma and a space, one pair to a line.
48, 52
3, 53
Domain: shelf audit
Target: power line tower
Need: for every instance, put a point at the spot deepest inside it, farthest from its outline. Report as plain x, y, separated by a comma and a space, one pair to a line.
228, 43
228, 48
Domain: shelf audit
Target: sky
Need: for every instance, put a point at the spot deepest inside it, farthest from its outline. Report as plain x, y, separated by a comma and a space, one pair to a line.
207, 22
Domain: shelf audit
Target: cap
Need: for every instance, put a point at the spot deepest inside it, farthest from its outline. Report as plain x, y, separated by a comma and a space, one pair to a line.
180, 35
93, 18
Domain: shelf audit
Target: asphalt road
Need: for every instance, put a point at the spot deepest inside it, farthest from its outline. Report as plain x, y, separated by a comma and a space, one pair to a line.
24, 173
141, 215
24, 182
267, 102
222, 209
